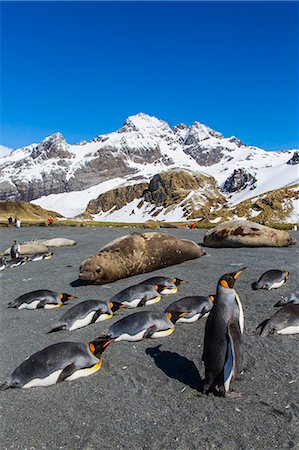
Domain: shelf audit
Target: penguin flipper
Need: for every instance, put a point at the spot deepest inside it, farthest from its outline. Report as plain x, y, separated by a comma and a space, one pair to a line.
67, 372
149, 332
235, 338
142, 302
57, 327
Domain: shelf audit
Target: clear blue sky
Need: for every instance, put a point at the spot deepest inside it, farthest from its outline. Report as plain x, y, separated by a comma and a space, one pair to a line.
82, 68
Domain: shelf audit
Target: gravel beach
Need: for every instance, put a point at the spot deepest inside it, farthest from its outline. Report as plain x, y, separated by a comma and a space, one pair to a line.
146, 394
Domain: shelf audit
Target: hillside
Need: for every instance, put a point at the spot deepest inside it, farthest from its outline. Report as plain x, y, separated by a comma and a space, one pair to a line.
25, 211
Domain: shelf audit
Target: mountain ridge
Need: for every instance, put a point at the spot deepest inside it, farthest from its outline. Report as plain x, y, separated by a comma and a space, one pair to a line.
54, 173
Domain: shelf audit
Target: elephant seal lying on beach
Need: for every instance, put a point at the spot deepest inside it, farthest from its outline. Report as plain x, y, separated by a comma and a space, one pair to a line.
30, 248
243, 233
41, 245
56, 242
137, 253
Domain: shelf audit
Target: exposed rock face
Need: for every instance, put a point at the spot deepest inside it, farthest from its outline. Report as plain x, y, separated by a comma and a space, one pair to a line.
294, 160
238, 180
25, 211
171, 187
116, 198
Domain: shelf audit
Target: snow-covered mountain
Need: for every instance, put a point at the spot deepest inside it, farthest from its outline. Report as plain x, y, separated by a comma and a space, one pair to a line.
64, 177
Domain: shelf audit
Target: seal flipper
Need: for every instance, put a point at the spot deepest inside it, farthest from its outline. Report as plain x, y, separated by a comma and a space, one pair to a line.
149, 332
67, 372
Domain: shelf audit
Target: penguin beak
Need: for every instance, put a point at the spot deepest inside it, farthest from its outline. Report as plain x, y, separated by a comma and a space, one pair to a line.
237, 274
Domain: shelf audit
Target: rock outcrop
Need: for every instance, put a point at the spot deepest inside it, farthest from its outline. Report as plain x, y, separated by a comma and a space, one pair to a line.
238, 180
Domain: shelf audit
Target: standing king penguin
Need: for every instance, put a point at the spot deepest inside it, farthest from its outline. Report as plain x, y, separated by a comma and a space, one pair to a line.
222, 353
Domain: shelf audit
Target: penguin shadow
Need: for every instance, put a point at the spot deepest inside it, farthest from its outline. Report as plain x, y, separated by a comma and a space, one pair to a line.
177, 367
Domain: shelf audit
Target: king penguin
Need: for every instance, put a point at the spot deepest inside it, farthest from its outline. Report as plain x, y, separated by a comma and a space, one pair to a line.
83, 314
194, 307
222, 353
292, 297
142, 325
272, 279
40, 299
167, 285
15, 250
284, 321
137, 295
58, 362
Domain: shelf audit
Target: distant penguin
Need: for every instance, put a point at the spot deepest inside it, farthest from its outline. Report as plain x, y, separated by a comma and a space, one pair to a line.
83, 314
194, 307
272, 279
40, 256
19, 261
40, 299
222, 353
15, 250
167, 285
141, 325
137, 295
65, 361
3, 263
284, 321
292, 297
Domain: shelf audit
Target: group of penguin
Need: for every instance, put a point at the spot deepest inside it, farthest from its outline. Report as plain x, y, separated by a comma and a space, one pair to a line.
18, 260
222, 355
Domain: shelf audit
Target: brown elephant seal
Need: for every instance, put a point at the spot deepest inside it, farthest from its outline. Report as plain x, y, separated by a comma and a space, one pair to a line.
243, 233
137, 253
30, 248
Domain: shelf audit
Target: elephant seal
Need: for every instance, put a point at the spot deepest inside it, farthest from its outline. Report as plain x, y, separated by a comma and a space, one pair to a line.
30, 248
243, 233
58, 242
137, 253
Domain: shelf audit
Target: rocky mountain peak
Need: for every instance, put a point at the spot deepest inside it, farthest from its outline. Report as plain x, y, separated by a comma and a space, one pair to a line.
294, 160
53, 146
144, 123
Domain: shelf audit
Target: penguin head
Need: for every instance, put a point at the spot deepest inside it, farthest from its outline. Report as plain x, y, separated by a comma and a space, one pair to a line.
178, 281
65, 297
114, 306
99, 345
174, 316
159, 288
228, 280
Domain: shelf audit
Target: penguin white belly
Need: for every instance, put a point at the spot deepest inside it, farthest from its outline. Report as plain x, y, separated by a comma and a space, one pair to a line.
163, 333
51, 306
47, 381
80, 323
103, 317
2, 267
131, 338
169, 291
190, 319
31, 305
241, 313
133, 304
84, 372
37, 258
289, 330
277, 285
153, 300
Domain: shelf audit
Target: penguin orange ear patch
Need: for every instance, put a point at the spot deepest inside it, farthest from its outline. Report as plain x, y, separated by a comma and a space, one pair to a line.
174, 280
156, 287
111, 304
287, 273
92, 348
61, 296
212, 298
224, 283
169, 315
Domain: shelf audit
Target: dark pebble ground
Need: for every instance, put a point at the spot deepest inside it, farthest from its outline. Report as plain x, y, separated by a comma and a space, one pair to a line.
145, 395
